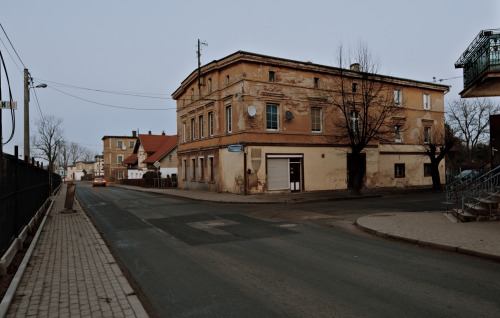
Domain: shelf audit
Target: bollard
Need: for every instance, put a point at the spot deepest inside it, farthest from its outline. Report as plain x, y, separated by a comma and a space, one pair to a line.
70, 198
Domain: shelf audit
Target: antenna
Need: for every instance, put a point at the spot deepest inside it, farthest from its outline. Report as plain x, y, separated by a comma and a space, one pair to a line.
198, 53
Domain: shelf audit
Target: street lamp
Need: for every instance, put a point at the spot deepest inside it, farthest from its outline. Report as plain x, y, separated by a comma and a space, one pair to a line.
27, 113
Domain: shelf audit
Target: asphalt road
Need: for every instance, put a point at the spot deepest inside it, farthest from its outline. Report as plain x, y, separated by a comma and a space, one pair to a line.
193, 259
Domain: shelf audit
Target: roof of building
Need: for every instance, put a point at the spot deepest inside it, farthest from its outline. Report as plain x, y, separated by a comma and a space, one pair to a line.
132, 159
266, 59
157, 146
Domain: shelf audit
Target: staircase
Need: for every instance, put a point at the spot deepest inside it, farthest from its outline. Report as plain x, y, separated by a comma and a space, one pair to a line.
476, 197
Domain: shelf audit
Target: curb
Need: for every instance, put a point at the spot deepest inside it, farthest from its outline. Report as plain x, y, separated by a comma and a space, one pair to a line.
443, 247
9, 295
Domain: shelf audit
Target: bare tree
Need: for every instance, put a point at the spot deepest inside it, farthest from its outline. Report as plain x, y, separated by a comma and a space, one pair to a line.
470, 118
49, 139
436, 148
63, 157
73, 152
366, 103
86, 154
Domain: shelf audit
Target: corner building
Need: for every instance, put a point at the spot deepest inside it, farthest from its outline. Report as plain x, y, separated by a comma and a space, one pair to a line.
250, 124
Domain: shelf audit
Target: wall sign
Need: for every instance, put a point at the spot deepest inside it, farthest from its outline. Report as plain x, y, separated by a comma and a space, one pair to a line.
235, 148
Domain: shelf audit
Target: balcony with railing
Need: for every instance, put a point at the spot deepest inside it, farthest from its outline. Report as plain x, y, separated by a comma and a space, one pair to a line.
481, 64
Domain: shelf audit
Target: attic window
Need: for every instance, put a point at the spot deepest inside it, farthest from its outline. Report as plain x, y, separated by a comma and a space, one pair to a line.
271, 76
354, 87
316, 82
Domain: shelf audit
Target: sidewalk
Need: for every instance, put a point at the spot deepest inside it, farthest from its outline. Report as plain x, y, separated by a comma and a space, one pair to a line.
71, 272
432, 229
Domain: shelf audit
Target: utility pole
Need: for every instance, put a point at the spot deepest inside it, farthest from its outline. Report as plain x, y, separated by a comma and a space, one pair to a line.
26, 115
198, 53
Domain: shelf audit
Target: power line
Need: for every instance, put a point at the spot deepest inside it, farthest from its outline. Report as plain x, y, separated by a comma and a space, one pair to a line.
108, 105
13, 60
37, 103
12, 45
135, 94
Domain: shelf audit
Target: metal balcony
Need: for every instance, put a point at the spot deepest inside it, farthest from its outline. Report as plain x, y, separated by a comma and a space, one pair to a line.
481, 64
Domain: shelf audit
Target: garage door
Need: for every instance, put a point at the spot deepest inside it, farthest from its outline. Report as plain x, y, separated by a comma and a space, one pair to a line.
278, 174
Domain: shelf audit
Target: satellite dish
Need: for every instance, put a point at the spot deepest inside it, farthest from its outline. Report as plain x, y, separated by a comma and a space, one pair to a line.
251, 111
288, 115
124, 147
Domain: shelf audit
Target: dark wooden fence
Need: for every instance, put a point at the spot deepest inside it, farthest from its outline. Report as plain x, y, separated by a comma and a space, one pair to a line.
24, 188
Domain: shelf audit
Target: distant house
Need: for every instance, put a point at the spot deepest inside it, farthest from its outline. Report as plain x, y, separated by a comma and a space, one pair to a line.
153, 152
99, 165
116, 150
80, 169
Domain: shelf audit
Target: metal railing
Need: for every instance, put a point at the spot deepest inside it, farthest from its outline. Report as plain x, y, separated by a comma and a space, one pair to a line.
468, 192
482, 55
24, 188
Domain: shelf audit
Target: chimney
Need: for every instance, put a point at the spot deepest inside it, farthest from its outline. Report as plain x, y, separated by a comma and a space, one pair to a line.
355, 67
163, 133
150, 132
134, 133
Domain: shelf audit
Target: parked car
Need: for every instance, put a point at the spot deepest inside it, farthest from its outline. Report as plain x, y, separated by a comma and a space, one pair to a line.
99, 182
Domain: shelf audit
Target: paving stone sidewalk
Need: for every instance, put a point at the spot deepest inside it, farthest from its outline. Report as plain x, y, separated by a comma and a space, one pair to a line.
72, 272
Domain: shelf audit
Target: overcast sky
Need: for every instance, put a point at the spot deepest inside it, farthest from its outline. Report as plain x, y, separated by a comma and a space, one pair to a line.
150, 47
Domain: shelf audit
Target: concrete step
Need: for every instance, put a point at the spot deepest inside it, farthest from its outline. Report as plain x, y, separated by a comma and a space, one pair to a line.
464, 216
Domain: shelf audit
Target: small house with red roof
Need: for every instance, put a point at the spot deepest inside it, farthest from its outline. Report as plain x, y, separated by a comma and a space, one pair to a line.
153, 153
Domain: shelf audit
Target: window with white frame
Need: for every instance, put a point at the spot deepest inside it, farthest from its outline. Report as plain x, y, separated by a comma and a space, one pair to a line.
120, 143
210, 85
229, 119
427, 135
184, 131
397, 97
272, 117
427, 101
193, 129
119, 158
193, 169
211, 168
184, 169
131, 144
397, 133
120, 174
354, 121
200, 126
271, 76
211, 124
316, 119
399, 170
201, 168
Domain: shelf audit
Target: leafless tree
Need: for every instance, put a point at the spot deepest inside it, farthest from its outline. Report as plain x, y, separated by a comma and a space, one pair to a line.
471, 119
49, 139
366, 104
73, 152
436, 148
86, 154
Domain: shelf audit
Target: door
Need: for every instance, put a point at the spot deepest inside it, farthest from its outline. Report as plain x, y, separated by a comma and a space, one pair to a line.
295, 175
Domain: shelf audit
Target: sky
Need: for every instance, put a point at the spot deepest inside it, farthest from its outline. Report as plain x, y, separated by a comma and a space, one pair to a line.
83, 50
